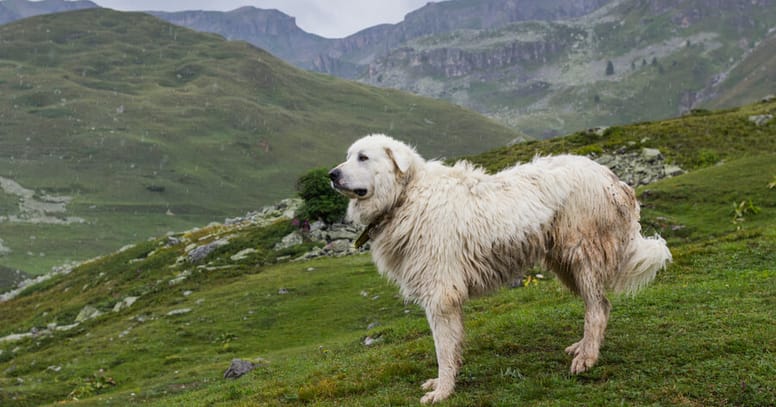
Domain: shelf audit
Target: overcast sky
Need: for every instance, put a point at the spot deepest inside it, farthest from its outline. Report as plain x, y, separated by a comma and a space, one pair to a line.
327, 18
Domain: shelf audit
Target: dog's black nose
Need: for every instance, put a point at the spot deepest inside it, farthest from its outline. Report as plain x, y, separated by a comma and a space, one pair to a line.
335, 174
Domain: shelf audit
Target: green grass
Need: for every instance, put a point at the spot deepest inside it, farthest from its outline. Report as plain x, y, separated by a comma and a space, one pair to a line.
693, 141
701, 334
110, 107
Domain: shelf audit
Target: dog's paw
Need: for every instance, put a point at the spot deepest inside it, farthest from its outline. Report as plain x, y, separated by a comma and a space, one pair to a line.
435, 396
573, 350
430, 384
582, 363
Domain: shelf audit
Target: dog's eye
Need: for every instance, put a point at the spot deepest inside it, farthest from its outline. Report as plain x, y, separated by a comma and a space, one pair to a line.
362, 157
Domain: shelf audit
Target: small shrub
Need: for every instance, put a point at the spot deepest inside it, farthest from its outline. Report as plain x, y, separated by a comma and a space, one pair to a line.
321, 201
95, 384
609, 68
743, 209
706, 158
592, 149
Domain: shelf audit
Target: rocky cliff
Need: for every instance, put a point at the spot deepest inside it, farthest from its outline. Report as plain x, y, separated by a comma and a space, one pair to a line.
271, 30
444, 17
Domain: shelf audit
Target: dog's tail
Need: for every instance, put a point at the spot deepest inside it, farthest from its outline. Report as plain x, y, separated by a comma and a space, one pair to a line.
644, 257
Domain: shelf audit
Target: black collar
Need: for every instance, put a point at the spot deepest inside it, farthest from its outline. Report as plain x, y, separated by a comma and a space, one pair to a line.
374, 227
366, 234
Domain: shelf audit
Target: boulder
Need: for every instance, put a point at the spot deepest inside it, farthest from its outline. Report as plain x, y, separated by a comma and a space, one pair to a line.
199, 253
292, 239
243, 254
124, 304
88, 312
338, 246
761, 119
651, 154
180, 311
238, 368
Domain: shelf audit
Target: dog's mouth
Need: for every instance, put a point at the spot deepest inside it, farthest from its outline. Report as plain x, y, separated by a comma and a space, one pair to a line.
351, 193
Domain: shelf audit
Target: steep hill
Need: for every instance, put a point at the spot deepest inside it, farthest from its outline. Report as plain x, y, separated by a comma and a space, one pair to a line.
332, 332
117, 126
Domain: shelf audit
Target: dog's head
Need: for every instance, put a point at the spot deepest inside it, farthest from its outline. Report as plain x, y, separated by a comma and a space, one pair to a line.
373, 175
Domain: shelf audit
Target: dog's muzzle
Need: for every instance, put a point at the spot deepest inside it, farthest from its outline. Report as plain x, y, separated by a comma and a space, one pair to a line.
335, 175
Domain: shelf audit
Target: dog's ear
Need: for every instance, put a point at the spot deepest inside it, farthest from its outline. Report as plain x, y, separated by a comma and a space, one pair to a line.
401, 159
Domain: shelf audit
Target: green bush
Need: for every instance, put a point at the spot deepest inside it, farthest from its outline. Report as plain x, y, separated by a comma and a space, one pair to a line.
321, 201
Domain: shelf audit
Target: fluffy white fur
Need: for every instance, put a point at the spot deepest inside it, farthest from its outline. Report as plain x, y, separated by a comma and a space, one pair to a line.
445, 234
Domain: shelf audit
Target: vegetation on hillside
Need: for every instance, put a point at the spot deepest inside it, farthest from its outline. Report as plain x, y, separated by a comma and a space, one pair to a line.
321, 201
701, 334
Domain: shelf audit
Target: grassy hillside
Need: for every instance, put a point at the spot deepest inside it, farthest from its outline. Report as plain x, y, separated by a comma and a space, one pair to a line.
701, 334
151, 127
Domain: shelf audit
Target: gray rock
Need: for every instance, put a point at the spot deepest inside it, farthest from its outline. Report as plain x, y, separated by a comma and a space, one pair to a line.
179, 279
673, 170
124, 304
761, 119
341, 234
238, 368
605, 159
289, 207
292, 239
172, 241
88, 312
317, 225
651, 154
338, 246
243, 254
180, 311
201, 252
369, 341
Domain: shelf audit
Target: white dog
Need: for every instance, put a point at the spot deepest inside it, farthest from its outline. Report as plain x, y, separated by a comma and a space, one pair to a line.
446, 234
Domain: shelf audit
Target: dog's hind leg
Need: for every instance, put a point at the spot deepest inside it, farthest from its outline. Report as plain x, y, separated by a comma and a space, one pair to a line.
447, 328
597, 308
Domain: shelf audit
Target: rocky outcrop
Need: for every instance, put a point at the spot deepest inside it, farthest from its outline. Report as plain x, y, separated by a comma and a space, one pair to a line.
456, 62
638, 167
271, 30
21, 286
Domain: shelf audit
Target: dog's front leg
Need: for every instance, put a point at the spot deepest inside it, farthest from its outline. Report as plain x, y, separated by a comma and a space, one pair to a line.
447, 328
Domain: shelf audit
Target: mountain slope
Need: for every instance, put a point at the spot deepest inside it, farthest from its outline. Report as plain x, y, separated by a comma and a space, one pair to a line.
12, 10
628, 61
117, 125
548, 68
752, 78
701, 334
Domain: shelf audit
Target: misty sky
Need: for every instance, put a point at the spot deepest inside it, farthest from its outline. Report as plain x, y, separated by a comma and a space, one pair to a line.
327, 18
